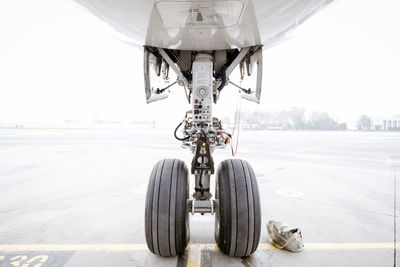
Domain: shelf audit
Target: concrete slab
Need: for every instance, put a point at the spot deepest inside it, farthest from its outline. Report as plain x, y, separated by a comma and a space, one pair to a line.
87, 187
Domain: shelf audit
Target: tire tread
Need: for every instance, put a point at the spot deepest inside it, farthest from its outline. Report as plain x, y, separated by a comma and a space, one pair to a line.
239, 208
165, 212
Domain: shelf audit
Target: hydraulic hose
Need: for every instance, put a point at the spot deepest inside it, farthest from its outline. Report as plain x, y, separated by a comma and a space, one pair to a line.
201, 176
202, 170
176, 129
223, 79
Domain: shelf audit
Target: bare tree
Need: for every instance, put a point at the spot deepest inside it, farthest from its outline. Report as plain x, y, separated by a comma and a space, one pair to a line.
364, 123
298, 118
291, 119
322, 121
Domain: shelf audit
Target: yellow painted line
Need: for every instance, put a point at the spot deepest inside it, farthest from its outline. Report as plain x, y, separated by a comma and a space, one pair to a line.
194, 253
350, 246
193, 249
266, 246
339, 246
74, 247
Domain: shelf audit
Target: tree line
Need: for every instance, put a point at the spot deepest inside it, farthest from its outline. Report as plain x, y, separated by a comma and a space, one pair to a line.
294, 119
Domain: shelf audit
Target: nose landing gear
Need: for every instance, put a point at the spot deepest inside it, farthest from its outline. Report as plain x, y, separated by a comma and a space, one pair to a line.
237, 203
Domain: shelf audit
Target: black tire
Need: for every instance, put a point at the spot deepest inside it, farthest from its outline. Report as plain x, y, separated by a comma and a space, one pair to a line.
166, 216
238, 216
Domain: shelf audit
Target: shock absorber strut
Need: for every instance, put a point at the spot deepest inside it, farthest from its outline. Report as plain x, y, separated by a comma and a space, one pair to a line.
202, 100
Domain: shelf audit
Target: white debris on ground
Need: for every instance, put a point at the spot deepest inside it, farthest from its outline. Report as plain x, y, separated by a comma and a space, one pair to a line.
283, 237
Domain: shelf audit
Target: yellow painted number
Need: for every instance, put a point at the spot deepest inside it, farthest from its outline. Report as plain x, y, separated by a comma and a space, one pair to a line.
24, 261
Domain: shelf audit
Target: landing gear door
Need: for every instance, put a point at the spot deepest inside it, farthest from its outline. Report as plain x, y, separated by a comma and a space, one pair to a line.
156, 76
251, 75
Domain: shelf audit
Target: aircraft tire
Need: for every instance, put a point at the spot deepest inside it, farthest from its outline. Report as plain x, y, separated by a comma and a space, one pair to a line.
238, 215
166, 216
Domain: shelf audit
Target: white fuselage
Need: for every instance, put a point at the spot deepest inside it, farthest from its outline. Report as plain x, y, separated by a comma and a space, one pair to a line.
204, 24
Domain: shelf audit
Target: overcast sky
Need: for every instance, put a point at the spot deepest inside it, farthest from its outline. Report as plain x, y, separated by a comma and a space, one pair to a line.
58, 62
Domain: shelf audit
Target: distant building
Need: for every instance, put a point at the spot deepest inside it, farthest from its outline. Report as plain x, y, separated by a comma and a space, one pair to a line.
387, 124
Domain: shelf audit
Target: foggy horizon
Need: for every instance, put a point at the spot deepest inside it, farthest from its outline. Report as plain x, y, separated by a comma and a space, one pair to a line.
76, 68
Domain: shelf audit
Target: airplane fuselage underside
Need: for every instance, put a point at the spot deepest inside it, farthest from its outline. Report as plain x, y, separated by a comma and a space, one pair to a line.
204, 24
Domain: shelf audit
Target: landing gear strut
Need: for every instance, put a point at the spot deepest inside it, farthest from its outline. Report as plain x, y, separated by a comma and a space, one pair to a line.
237, 203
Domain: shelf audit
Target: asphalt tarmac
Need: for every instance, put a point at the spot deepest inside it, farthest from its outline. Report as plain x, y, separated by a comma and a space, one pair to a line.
75, 197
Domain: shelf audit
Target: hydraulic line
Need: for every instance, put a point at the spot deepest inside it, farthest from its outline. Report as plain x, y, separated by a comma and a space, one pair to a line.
223, 78
201, 176
202, 170
204, 135
176, 129
236, 125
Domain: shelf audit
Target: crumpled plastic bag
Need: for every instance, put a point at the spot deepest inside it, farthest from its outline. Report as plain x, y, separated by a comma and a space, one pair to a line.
284, 237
